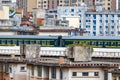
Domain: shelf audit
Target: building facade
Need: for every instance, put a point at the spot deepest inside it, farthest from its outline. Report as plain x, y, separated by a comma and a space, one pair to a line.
55, 63
107, 4
4, 12
43, 4
30, 5
75, 15
22, 4
104, 23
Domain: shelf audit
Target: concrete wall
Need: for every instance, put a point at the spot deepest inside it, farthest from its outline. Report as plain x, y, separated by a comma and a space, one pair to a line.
67, 74
31, 4
4, 12
18, 74
8, 33
53, 33
91, 74
73, 21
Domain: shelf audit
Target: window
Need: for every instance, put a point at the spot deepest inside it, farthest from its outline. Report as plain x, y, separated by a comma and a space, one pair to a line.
94, 27
100, 26
94, 21
10, 69
106, 26
39, 69
22, 68
61, 74
108, 3
72, 10
112, 26
106, 15
32, 71
96, 73
112, 32
106, 21
74, 74
53, 72
100, 15
94, 15
85, 74
108, 8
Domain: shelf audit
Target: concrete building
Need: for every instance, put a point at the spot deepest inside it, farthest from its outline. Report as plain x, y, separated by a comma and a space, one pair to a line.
43, 4
22, 4
38, 16
6, 2
103, 23
30, 5
57, 63
118, 4
4, 12
107, 4
75, 15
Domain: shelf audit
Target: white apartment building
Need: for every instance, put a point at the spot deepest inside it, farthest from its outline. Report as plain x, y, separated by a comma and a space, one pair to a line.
103, 23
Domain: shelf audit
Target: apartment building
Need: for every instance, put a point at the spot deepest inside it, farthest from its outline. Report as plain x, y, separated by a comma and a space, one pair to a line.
107, 4
22, 4
43, 4
103, 23
75, 15
26, 5
53, 4
6, 2
30, 5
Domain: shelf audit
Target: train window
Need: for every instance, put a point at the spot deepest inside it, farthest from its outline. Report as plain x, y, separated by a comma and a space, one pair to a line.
20, 42
9, 42
76, 42
37, 42
93, 43
32, 42
107, 43
48, 42
14, 41
26, 42
88, 43
100, 43
55, 42
118, 43
79, 42
43, 42
112, 43
3, 41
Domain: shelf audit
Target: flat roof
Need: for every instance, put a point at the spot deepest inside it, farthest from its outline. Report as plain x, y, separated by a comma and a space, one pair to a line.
92, 37
28, 36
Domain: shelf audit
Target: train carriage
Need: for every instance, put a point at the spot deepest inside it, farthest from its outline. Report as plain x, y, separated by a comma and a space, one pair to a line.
28, 39
60, 41
95, 41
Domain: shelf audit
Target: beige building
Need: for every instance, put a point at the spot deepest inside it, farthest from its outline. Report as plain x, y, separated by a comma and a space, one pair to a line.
107, 4
31, 4
42, 4
4, 12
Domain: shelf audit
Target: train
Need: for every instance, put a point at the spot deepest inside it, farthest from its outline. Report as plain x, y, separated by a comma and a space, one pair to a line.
60, 41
